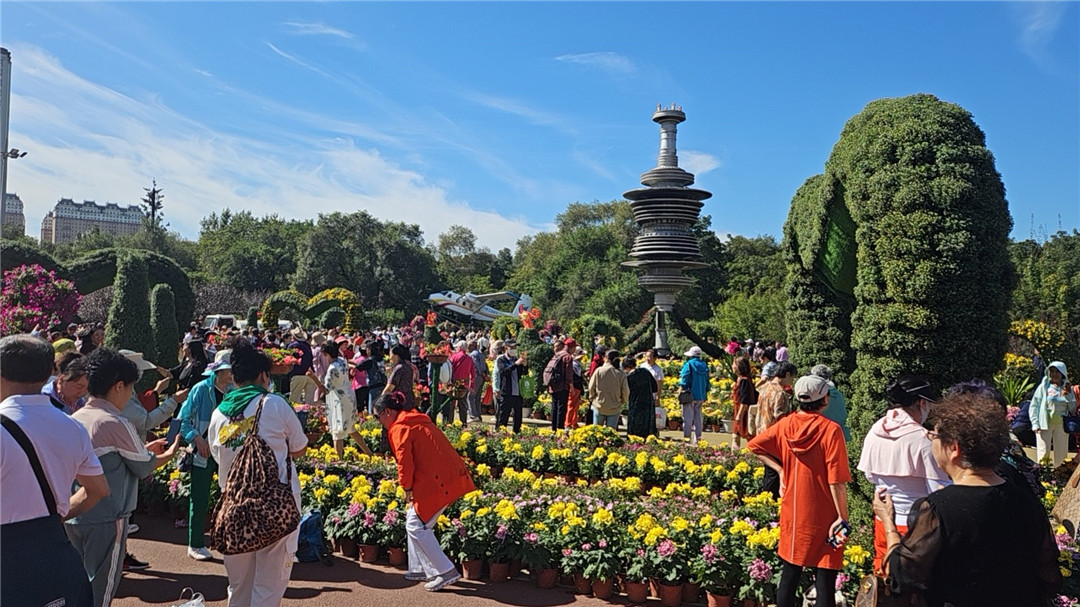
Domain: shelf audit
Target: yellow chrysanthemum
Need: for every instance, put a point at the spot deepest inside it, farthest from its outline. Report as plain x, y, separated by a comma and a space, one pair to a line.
603, 517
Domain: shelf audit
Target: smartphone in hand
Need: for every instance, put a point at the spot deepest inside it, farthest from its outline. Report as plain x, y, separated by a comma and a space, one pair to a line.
838, 538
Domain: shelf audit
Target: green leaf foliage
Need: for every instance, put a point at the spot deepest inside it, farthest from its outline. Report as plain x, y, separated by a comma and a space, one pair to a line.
163, 324
128, 326
912, 191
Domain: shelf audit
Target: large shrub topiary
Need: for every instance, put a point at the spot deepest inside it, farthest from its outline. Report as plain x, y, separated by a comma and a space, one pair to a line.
129, 316
163, 324
904, 237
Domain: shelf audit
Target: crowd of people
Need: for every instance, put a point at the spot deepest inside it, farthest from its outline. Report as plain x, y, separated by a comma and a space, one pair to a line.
953, 488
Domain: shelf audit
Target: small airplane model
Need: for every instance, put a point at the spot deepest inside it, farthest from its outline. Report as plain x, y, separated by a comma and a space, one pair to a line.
475, 307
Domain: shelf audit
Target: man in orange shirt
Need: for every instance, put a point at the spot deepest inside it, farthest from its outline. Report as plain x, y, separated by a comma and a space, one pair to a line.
807, 450
433, 476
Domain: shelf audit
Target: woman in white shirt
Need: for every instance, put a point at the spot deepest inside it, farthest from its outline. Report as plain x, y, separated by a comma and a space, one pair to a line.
258, 578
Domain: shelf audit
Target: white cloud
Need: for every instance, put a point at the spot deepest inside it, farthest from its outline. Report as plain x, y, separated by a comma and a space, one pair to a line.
523, 110
1038, 22
698, 163
318, 29
607, 61
87, 141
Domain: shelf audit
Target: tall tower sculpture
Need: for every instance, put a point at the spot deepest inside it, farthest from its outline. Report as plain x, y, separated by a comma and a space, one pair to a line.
665, 209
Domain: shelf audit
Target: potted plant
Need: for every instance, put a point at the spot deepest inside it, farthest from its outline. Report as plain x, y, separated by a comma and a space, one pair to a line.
537, 554
635, 567
391, 530
602, 564
669, 568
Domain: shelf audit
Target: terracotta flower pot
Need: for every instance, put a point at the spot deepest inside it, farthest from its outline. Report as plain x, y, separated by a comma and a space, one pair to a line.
717, 600
749, 603
690, 592
670, 596
348, 547
673, 424
546, 578
537, 415
603, 589
637, 592
397, 556
369, 553
473, 569
582, 585
498, 572
313, 437
515, 567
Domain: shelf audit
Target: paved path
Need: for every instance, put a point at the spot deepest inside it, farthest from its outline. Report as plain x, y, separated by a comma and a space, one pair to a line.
346, 582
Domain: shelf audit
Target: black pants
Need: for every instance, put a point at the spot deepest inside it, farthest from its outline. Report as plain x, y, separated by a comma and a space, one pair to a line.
30, 548
824, 582
558, 409
448, 410
510, 404
771, 482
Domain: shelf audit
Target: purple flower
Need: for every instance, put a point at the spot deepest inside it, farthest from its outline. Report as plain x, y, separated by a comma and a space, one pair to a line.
602, 543
369, 519
354, 509
641, 552
759, 570
586, 546
841, 579
666, 548
532, 538
500, 533
708, 551
567, 552
335, 520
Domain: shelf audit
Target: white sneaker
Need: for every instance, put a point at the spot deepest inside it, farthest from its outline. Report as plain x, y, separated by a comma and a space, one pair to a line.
442, 581
199, 554
133, 528
416, 576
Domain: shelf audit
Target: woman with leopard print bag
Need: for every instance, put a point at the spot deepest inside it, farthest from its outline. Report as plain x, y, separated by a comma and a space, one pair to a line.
253, 436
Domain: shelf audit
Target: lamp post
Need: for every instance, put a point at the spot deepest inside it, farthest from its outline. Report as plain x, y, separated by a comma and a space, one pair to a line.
13, 153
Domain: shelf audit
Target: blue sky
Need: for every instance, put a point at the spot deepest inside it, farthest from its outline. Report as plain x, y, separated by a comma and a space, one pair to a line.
497, 115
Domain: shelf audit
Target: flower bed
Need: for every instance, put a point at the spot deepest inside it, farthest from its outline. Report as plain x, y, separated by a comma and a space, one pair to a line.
586, 502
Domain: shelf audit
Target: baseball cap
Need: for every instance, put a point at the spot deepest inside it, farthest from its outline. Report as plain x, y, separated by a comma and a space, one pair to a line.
694, 351
810, 388
570, 343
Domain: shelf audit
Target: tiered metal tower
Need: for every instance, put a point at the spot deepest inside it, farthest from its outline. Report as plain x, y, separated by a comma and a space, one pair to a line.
665, 210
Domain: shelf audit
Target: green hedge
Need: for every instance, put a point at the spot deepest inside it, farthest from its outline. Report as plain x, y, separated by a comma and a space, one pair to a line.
163, 324
905, 236
128, 326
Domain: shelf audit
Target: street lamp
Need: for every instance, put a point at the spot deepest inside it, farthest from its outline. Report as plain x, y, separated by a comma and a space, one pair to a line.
14, 153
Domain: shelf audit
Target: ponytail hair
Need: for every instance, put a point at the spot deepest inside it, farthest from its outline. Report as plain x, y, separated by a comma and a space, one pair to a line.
393, 401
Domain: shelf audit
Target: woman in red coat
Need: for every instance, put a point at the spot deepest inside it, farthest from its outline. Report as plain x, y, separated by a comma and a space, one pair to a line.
807, 450
433, 477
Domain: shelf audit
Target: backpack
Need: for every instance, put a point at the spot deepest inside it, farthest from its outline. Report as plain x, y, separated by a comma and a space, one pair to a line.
377, 375
311, 546
554, 372
256, 509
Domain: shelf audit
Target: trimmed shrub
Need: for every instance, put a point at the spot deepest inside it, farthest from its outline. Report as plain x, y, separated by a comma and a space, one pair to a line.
163, 324
252, 319
129, 315
908, 230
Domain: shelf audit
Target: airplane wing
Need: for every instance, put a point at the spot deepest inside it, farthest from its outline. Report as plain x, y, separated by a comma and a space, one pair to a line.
498, 296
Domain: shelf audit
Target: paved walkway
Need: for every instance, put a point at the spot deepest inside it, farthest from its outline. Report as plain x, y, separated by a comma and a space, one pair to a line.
346, 582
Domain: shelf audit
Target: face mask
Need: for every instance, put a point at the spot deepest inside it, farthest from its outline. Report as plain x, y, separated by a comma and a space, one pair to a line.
925, 409
512, 353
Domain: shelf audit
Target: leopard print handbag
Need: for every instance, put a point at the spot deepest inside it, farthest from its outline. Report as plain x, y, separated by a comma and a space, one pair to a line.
256, 509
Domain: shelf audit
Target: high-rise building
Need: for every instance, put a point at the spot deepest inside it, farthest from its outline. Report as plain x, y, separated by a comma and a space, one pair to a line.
69, 219
13, 212
5, 113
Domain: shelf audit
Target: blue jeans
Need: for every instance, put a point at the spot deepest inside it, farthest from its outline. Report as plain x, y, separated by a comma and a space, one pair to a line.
611, 421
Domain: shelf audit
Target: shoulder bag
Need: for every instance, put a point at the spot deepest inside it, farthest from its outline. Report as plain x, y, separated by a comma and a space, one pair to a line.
876, 591
256, 509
